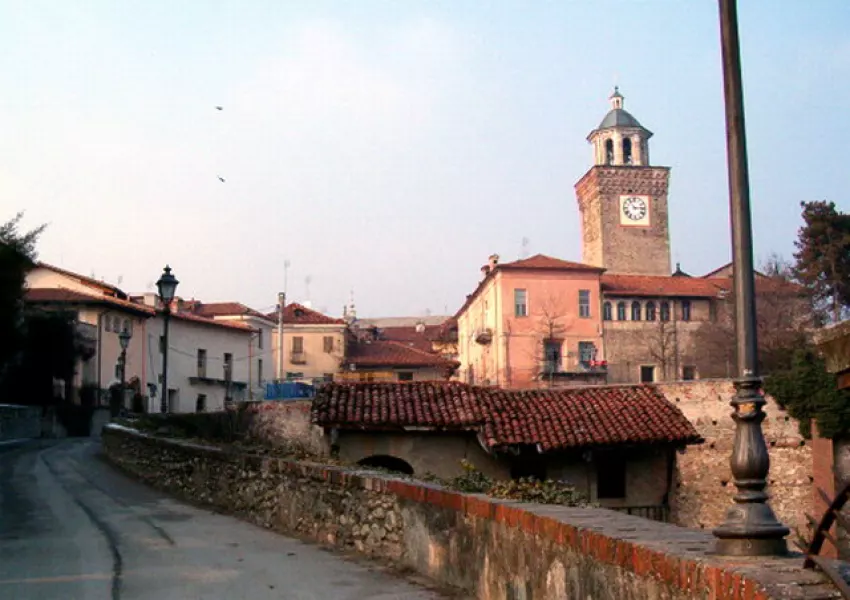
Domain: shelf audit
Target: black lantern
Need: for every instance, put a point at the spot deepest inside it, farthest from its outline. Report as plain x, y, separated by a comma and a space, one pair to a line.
167, 286
124, 339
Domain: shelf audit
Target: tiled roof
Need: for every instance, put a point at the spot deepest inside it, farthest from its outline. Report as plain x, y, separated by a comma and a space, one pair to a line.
662, 285
65, 296
541, 261
409, 336
549, 419
298, 314
87, 280
226, 309
380, 353
187, 316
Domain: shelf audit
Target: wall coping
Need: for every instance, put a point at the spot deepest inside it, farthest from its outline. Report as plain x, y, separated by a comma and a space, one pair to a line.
677, 556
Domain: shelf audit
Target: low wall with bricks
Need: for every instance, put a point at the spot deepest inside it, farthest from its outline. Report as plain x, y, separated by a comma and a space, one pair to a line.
492, 549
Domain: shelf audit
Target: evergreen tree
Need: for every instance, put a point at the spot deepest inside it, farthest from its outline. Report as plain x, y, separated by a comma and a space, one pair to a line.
823, 257
17, 253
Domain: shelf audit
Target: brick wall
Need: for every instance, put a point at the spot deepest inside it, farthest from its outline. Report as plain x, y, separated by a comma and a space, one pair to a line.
703, 485
618, 248
492, 549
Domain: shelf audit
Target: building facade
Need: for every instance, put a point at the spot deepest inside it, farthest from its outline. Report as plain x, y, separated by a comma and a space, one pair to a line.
532, 321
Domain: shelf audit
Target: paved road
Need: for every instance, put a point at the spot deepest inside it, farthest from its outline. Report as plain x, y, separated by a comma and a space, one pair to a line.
72, 528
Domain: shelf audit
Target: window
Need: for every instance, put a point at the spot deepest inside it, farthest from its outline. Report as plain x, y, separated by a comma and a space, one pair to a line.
621, 311
291, 376
610, 476
118, 370
686, 310
405, 376
329, 344
202, 362
647, 374
609, 152
627, 151
161, 344
586, 353
520, 303
201, 403
636, 311
665, 311
584, 304
297, 344
260, 339
107, 323
228, 366
689, 372
606, 311
650, 311
328, 377
259, 371
552, 356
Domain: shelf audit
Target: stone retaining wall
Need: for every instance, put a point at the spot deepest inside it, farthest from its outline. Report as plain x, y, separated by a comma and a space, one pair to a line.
703, 485
495, 550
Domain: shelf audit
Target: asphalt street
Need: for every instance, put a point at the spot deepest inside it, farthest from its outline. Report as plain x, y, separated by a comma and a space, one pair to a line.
71, 527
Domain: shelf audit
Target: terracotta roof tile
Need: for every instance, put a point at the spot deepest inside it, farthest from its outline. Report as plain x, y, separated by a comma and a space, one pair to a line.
541, 261
107, 287
384, 353
298, 314
663, 285
65, 296
550, 419
225, 309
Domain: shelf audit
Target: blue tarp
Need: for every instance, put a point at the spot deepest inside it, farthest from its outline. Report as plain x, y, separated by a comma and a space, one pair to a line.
289, 390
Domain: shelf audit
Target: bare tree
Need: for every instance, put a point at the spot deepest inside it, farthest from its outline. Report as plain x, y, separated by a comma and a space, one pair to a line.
662, 345
552, 321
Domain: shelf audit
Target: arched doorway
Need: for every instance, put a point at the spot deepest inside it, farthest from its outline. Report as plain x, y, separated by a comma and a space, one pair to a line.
390, 463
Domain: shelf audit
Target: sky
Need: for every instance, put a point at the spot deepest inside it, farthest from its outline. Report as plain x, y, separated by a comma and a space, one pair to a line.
384, 149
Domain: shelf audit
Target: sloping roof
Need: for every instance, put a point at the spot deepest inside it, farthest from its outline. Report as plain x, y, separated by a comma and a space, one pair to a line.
619, 117
65, 296
662, 285
381, 353
187, 316
226, 309
541, 261
411, 337
549, 419
106, 287
298, 314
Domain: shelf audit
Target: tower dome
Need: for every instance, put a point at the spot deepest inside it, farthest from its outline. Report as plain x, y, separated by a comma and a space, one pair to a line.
620, 139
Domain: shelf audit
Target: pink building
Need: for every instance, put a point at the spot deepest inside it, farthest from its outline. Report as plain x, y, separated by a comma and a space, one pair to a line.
533, 322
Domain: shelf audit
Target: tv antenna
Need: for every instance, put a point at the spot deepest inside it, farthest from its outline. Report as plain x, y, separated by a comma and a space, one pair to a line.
285, 273
523, 253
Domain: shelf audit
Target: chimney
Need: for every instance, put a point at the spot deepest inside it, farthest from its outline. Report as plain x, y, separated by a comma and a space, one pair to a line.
493, 260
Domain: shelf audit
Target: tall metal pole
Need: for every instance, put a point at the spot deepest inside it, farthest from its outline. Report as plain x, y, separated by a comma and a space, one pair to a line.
163, 406
281, 302
751, 528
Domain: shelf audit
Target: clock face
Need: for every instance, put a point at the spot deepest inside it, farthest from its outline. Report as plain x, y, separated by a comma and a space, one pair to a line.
634, 210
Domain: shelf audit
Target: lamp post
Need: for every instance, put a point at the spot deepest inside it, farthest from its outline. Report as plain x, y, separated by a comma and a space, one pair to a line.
751, 528
167, 286
124, 340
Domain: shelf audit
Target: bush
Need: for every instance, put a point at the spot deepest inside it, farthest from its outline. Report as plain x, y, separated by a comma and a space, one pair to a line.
525, 489
223, 426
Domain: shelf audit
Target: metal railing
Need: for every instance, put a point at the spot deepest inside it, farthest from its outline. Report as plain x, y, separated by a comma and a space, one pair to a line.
653, 512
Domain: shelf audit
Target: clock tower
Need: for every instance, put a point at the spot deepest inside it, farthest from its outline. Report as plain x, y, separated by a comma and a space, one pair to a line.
623, 200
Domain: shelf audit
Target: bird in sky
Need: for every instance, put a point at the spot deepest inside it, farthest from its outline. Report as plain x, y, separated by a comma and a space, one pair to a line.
219, 108
221, 179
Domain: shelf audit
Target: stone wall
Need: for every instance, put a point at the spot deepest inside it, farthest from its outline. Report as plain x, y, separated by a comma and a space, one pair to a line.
492, 549
703, 484
285, 424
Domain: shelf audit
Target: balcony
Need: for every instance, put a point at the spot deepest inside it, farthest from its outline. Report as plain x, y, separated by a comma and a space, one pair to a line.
484, 336
86, 340
298, 358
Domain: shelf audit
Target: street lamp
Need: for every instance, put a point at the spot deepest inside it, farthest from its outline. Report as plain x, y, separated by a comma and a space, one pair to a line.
124, 340
167, 286
751, 528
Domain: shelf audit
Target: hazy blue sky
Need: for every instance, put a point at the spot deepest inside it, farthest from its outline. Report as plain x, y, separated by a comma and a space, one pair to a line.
389, 147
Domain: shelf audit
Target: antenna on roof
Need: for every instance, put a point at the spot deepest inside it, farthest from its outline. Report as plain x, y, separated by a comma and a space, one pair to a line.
307, 281
285, 273
120, 280
523, 253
